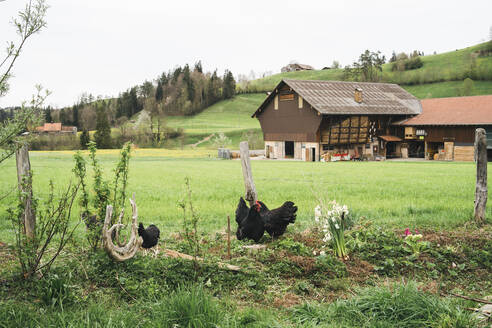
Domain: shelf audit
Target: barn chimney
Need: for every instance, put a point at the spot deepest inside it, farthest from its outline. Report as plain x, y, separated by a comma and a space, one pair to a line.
358, 95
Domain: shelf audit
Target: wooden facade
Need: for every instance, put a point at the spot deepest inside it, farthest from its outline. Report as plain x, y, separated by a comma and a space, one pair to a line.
287, 118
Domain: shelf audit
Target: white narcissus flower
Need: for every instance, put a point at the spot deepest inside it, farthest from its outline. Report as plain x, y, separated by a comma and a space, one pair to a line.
317, 213
314, 252
337, 226
322, 253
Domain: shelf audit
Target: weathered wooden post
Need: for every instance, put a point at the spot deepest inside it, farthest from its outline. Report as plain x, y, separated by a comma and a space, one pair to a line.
24, 179
481, 186
251, 195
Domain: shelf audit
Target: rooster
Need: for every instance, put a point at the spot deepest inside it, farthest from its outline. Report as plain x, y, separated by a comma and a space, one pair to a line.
249, 221
252, 222
150, 235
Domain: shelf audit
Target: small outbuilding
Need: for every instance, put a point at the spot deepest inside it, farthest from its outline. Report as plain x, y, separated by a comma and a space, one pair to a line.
446, 128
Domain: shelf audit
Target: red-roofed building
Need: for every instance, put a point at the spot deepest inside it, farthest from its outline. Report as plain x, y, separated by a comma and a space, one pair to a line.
56, 128
446, 127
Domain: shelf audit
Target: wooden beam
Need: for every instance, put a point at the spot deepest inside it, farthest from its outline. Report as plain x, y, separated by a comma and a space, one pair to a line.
24, 178
251, 195
481, 185
358, 131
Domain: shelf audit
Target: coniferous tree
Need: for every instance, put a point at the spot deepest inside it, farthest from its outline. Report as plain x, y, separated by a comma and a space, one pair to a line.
229, 85
75, 115
159, 94
84, 139
102, 137
47, 115
188, 82
198, 67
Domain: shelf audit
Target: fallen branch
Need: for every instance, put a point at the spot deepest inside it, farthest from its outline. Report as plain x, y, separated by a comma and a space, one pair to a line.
175, 254
469, 298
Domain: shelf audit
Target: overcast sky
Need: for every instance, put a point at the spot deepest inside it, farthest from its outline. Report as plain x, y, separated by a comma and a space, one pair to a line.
104, 47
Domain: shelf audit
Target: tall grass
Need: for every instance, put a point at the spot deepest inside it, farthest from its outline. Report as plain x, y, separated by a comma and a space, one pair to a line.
402, 306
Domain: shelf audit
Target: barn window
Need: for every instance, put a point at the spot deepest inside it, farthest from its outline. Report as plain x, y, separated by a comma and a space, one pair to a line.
286, 96
275, 102
300, 102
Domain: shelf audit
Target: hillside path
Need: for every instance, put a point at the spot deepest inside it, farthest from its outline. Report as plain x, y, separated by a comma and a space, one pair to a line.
203, 140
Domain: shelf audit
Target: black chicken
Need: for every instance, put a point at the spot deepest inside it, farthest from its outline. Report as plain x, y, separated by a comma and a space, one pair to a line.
277, 220
249, 222
150, 235
252, 222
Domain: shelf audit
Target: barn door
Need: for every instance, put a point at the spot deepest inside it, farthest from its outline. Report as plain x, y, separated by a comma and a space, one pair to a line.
308, 153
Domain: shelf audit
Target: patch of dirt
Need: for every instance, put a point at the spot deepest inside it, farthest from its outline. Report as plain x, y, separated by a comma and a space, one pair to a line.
475, 238
308, 237
306, 263
359, 270
286, 301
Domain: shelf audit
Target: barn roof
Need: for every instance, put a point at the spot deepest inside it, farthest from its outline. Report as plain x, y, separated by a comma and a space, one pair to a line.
337, 97
475, 110
50, 127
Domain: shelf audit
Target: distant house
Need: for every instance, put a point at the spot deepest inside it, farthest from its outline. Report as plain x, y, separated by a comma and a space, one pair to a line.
56, 128
307, 119
296, 67
446, 128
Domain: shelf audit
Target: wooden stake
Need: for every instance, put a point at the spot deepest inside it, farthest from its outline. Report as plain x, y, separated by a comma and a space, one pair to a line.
481, 185
249, 184
228, 237
24, 179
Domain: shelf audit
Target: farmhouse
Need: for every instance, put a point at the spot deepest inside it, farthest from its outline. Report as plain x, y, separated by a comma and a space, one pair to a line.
310, 119
296, 67
446, 128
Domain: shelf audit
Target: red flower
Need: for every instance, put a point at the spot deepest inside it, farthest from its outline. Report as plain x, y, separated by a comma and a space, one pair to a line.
407, 232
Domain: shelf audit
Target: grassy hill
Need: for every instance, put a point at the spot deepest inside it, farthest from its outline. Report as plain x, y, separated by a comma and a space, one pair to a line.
232, 117
450, 66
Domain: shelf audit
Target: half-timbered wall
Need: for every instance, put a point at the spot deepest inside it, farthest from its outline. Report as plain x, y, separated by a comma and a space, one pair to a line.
347, 130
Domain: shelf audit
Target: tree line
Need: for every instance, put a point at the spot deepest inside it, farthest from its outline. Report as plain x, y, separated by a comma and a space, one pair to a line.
182, 91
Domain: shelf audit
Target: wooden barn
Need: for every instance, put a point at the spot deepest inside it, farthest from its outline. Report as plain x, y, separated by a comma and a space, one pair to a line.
446, 128
310, 120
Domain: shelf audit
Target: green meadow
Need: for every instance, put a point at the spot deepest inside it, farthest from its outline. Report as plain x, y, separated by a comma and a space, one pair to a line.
397, 194
450, 66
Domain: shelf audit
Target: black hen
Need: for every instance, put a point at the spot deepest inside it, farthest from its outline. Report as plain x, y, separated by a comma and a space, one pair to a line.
250, 224
277, 220
150, 235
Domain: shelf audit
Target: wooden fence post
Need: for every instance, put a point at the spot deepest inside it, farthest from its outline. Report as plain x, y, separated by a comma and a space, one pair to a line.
481, 186
24, 179
249, 184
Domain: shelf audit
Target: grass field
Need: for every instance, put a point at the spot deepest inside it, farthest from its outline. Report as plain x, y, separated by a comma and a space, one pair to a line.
399, 194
